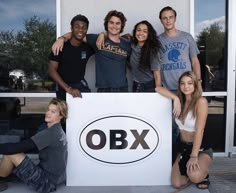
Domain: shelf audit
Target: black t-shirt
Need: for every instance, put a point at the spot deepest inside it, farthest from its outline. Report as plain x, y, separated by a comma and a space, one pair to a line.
72, 61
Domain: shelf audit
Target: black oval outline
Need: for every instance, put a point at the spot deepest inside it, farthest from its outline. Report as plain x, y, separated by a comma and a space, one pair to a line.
118, 162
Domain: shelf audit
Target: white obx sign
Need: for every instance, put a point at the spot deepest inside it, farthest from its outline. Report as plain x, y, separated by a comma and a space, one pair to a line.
119, 139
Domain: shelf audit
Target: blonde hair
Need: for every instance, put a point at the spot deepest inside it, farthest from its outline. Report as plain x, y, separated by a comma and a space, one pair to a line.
62, 107
195, 95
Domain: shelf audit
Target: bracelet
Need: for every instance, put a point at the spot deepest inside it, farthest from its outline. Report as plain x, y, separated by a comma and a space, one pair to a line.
68, 88
104, 33
193, 156
63, 38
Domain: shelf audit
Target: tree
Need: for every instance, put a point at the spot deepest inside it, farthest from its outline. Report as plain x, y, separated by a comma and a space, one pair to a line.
212, 39
30, 48
7, 46
35, 45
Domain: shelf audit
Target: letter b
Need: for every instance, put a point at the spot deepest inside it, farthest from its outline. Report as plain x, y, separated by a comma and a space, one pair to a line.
118, 136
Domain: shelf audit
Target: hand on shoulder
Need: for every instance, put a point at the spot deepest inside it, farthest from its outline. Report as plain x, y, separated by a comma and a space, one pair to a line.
127, 37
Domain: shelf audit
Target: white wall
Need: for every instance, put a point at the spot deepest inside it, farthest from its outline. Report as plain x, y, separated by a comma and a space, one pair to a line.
134, 10
231, 100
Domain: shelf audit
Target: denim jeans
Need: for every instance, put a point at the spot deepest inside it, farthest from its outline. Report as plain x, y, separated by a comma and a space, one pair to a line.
82, 86
144, 87
120, 89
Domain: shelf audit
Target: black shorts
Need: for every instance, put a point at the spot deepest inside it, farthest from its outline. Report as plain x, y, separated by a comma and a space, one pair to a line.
185, 149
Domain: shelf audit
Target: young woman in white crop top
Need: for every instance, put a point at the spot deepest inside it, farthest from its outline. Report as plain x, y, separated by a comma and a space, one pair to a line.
193, 165
191, 123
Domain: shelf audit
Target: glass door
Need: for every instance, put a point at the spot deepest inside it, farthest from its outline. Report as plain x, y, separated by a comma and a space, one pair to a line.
231, 81
234, 144
210, 33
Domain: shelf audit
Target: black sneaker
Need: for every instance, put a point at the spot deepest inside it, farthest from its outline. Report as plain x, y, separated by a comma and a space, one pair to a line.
3, 179
10, 178
3, 185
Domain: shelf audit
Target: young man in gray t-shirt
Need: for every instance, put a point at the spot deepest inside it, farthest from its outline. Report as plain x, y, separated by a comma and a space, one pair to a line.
52, 146
178, 51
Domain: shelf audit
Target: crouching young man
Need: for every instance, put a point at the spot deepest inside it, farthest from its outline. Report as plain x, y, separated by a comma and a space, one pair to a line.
52, 149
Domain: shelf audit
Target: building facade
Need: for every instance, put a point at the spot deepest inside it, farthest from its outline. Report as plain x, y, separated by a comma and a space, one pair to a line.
211, 22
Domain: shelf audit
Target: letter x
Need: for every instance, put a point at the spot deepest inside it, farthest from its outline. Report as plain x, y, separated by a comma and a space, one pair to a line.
139, 139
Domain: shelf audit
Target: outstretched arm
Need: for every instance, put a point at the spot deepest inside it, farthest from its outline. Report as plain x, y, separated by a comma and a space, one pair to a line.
59, 43
21, 147
100, 40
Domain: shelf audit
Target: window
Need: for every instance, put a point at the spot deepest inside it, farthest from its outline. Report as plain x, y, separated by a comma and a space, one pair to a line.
28, 29
210, 35
210, 22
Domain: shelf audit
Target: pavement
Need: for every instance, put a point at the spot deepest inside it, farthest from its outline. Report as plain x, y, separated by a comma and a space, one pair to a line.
222, 177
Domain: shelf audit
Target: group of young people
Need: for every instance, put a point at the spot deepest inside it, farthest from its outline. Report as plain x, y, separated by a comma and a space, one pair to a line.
165, 63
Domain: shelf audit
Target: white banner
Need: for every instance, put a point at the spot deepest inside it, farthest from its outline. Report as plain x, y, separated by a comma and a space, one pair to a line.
119, 139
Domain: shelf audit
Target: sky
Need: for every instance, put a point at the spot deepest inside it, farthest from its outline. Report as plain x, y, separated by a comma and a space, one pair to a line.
14, 12
208, 12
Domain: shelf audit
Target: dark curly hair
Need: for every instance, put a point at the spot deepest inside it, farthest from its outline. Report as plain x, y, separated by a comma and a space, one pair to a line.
79, 17
151, 45
118, 14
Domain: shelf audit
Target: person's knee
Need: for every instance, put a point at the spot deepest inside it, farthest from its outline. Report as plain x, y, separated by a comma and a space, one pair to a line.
177, 184
195, 177
15, 159
5, 158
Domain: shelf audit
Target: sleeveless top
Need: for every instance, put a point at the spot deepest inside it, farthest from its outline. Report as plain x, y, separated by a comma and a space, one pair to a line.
189, 123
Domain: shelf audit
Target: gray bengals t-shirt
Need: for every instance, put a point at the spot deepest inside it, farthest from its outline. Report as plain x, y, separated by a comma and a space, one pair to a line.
176, 53
52, 146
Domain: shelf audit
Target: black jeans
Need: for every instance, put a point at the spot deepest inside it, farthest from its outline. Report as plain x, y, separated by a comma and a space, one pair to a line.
144, 87
120, 89
82, 86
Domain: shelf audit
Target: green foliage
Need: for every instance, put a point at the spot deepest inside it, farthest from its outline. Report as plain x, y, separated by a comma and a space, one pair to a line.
29, 49
213, 39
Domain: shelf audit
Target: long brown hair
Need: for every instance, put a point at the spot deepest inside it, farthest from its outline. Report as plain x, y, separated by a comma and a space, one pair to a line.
151, 46
195, 95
